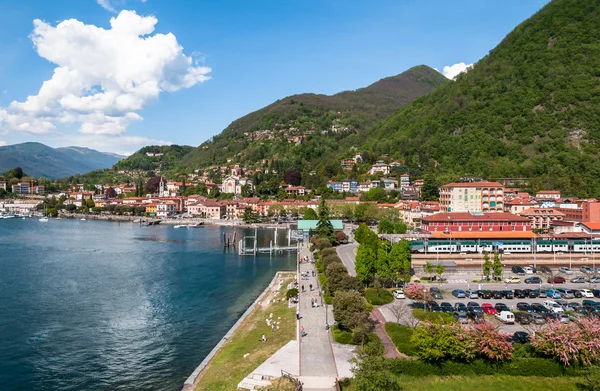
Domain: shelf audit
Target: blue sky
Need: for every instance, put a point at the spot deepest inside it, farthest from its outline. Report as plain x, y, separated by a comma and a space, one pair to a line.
236, 57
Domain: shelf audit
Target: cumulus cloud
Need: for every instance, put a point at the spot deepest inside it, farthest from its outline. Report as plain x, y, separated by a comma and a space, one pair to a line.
454, 70
102, 76
2, 143
106, 5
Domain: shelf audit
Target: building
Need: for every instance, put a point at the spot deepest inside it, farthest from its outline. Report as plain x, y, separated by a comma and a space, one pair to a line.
39, 189
548, 194
21, 188
542, 218
518, 205
295, 190
381, 167
151, 209
208, 209
475, 222
348, 164
234, 184
3, 185
591, 211
472, 197
404, 181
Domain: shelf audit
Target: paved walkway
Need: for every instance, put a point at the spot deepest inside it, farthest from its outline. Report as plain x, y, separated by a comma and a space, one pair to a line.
317, 363
389, 349
346, 253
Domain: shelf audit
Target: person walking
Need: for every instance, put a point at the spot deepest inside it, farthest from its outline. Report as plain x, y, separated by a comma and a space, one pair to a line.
310, 286
298, 314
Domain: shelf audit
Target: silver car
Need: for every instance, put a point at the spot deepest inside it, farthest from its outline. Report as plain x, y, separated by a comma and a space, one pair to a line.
461, 317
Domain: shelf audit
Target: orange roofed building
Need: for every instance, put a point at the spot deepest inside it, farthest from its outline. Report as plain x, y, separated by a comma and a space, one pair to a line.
475, 224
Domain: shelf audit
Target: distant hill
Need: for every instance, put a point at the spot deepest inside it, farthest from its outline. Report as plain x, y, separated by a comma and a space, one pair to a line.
356, 110
531, 109
153, 157
40, 160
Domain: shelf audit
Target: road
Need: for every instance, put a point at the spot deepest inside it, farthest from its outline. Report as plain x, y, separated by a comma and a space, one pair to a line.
346, 253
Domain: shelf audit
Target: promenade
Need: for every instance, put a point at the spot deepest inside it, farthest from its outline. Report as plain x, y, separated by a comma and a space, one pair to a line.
317, 363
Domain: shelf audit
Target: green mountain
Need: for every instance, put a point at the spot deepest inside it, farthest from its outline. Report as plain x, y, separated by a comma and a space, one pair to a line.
154, 157
343, 115
40, 160
530, 109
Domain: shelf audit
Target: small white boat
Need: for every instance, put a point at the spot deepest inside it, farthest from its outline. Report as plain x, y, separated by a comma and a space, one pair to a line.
179, 226
83, 219
43, 220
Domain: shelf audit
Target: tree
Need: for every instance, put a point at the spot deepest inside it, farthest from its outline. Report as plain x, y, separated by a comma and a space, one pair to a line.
365, 264
324, 226
247, 190
152, 185
250, 216
497, 266
385, 227
90, 203
439, 270
372, 372
310, 214
400, 260
429, 268
110, 193
487, 265
347, 306
431, 189
361, 232
292, 177
18, 172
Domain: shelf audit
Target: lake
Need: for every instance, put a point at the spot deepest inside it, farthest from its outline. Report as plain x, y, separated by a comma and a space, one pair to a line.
94, 305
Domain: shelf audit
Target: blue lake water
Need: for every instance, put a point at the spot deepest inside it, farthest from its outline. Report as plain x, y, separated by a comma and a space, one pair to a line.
92, 305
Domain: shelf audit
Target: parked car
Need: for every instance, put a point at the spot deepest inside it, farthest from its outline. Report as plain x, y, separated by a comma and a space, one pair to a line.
460, 307
565, 270
550, 316
586, 269
556, 280
538, 318
507, 294
522, 306
501, 307
512, 280
545, 269
475, 316
566, 293
595, 279
531, 293
461, 317
539, 308
565, 305
541, 293
596, 292
472, 304
496, 295
458, 293
553, 294
436, 293
471, 294
446, 307
586, 293
506, 317
553, 306
528, 270
577, 293
521, 337
578, 280
523, 318
533, 280
590, 303
519, 294
484, 294
432, 306
488, 309
518, 270
399, 294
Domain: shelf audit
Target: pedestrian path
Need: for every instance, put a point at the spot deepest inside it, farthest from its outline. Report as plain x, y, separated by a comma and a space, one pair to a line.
389, 349
456, 281
317, 362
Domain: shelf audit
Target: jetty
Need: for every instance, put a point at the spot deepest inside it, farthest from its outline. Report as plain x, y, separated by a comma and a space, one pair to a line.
248, 245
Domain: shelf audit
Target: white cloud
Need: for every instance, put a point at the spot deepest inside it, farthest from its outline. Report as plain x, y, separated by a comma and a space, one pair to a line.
454, 70
2, 143
106, 5
102, 76
103, 142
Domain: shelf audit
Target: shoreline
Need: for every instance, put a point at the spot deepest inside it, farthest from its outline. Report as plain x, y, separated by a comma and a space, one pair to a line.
190, 382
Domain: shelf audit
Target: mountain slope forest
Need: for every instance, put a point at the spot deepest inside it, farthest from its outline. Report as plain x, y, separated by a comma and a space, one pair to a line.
530, 109
344, 116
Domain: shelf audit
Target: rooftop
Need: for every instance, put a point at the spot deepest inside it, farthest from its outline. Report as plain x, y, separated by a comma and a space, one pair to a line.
466, 216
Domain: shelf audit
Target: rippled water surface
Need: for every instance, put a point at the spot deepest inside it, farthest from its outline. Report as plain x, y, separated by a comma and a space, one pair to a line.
90, 305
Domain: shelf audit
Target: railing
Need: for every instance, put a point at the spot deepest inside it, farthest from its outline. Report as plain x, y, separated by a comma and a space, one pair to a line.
291, 378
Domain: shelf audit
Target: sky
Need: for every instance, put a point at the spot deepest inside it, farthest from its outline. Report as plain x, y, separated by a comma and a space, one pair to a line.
116, 75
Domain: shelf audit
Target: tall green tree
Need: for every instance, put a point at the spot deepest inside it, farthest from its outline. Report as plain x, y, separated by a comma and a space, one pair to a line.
365, 264
431, 189
400, 260
372, 371
487, 265
497, 266
324, 226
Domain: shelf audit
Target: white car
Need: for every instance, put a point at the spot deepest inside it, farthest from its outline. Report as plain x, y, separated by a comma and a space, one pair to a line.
586, 293
565, 270
528, 270
399, 294
553, 306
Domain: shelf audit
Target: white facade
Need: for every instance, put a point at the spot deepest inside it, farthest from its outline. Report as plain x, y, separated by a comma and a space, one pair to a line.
234, 184
166, 209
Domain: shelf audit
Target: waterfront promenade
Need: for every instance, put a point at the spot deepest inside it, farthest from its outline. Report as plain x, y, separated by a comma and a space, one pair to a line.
317, 363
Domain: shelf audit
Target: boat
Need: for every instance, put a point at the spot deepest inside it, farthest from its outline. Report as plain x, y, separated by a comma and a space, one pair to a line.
197, 225
179, 226
43, 219
58, 218
83, 219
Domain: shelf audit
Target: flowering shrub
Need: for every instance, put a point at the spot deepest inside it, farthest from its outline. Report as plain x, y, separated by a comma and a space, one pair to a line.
417, 292
572, 343
436, 342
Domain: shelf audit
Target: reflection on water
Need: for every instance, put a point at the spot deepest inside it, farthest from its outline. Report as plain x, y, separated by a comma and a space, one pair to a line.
89, 305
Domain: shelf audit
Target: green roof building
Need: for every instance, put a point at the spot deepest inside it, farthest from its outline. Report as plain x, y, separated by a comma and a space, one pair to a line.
307, 225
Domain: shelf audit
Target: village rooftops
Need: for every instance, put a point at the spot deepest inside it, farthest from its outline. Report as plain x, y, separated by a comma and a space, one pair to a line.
467, 216
474, 184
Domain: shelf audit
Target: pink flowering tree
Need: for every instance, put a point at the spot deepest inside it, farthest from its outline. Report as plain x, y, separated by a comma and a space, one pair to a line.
490, 343
417, 292
572, 343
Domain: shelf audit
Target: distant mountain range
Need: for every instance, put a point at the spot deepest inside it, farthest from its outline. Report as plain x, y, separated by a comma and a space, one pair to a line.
40, 160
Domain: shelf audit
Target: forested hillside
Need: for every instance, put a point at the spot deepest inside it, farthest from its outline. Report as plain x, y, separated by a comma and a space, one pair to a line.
308, 126
531, 108
153, 157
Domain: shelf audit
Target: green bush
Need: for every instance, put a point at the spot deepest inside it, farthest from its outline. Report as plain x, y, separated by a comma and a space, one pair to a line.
291, 293
420, 314
323, 244
328, 251
342, 336
401, 335
520, 367
378, 296
328, 299
330, 259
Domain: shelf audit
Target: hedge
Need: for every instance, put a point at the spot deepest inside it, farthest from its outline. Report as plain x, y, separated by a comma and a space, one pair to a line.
385, 296
328, 251
519, 367
342, 336
420, 314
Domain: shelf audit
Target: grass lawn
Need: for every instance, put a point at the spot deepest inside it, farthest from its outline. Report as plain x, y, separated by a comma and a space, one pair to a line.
400, 335
378, 297
229, 366
420, 314
496, 383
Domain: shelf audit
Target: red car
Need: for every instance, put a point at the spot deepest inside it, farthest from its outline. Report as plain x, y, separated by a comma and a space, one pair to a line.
488, 309
557, 280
